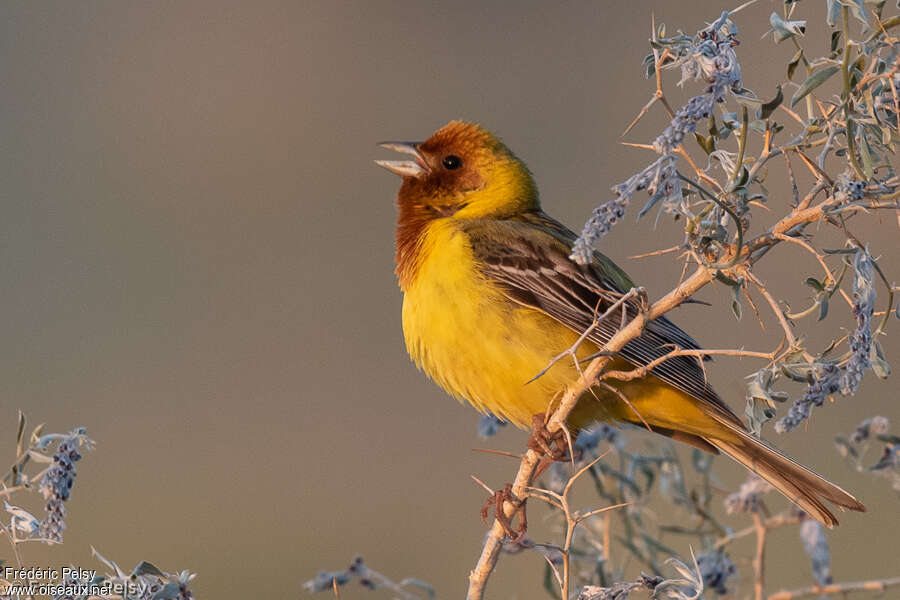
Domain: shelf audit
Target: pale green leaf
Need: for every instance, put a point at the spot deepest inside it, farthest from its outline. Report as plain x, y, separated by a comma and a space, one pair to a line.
812, 82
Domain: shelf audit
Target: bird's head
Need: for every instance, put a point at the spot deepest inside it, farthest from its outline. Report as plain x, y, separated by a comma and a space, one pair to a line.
462, 171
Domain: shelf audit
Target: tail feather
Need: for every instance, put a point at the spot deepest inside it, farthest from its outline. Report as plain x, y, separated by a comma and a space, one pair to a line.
799, 484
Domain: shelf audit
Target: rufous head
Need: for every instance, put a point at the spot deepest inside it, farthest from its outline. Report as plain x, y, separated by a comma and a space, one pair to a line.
462, 171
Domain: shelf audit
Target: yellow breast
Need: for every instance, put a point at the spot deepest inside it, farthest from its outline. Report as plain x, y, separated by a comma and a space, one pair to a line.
472, 340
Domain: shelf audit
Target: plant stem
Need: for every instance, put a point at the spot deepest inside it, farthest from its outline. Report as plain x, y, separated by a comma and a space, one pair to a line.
845, 69
875, 585
759, 562
742, 145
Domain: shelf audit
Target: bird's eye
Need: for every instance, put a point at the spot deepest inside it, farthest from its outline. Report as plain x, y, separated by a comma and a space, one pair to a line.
451, 161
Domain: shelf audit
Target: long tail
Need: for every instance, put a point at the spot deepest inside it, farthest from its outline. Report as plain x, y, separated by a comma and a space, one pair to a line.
799, 484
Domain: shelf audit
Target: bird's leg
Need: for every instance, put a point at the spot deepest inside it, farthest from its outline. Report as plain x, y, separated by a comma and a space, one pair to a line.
497, 500
554, 446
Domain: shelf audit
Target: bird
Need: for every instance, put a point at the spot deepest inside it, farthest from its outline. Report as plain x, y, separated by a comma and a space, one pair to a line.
491, 295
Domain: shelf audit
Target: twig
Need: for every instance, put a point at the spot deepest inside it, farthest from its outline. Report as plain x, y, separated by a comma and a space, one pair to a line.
845, 71
710, 180
656, 252
561, 501
874, 585
771, 523
658, 96
820, 258
483, 485
813, 167
643, 371
759, 564
627, 402
779, 314
573, 349
793, 114
809, 70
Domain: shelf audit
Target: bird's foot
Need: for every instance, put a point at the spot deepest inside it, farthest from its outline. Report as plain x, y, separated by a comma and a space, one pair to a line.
554, 446
497, 500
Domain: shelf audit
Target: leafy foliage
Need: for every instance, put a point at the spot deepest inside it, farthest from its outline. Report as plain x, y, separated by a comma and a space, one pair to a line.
37, 471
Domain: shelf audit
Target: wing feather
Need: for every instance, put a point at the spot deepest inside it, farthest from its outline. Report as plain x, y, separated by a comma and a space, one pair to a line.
529, 259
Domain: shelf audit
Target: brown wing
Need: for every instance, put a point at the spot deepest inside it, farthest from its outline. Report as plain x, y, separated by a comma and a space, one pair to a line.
529, 259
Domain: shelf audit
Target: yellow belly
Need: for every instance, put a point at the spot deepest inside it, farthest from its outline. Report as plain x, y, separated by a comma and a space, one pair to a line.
483, 348
475, 343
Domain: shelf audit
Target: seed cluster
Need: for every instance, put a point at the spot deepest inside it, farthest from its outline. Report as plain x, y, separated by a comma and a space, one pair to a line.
56, 487
715, 568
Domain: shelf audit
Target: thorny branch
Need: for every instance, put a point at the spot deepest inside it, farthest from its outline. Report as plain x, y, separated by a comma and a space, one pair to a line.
717, 222
874, 585
701, 276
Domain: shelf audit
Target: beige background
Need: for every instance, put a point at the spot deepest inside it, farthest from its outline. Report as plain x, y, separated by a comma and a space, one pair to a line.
196, 264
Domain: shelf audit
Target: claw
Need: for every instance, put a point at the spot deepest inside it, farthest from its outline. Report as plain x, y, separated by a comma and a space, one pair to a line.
497, 499
553, 445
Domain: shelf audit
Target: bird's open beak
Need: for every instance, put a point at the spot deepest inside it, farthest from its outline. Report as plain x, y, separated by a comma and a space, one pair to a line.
405, 168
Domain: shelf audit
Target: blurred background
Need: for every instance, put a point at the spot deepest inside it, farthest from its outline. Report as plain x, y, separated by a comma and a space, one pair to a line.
196, 256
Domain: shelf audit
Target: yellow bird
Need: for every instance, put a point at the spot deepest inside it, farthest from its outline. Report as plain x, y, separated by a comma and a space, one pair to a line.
490, 296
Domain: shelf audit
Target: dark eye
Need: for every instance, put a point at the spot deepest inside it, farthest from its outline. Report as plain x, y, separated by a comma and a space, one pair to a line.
451, 161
